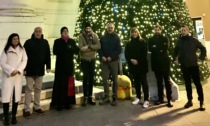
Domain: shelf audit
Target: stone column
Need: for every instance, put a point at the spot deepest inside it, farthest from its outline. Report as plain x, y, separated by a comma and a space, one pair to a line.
17, 16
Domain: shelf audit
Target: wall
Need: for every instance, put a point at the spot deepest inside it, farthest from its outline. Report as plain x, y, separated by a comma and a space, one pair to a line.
22, 16
201, 8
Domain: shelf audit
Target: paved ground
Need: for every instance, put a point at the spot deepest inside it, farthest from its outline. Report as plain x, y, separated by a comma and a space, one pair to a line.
126, 114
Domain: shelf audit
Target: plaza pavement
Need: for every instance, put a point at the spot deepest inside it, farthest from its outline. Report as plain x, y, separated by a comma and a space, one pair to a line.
125, 114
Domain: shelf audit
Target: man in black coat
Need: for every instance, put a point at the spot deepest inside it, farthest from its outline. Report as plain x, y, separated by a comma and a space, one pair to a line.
185, 50
38, 52
158, 46
109, 55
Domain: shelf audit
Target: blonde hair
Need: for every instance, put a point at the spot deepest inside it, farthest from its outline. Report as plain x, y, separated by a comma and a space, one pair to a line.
135, 30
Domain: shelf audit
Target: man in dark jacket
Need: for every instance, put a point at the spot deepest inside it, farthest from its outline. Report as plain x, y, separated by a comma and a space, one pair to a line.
109, 54
38, 52
158, 46
185, 49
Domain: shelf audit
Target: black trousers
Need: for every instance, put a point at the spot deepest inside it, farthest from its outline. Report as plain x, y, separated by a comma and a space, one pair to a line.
160, 76
88, 69
141, 80
192, 73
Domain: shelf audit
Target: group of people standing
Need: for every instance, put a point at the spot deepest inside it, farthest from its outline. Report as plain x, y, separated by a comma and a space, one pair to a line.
33, 58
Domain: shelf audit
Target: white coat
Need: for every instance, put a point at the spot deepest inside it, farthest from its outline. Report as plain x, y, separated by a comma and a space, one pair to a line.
14, 59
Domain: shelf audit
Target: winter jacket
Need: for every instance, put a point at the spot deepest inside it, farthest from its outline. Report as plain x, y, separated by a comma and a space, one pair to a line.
186, 48
38, 52
92, 41
137, 49
158, 46
14, 59
110, 46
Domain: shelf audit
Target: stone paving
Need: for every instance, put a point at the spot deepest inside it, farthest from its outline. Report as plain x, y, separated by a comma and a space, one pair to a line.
126, 114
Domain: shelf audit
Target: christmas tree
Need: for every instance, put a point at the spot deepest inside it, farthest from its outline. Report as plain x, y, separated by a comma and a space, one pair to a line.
143, 14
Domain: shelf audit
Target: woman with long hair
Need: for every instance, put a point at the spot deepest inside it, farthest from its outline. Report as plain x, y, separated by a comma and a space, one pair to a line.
13, 62
136, 56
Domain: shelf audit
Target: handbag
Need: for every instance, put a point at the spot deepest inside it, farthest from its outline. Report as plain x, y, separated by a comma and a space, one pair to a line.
71, 86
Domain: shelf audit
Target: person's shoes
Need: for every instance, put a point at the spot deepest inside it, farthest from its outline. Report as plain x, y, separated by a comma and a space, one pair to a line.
169, 104
26, 114
84, 102
114, 102
159, 102
6, 121
14, 120
146, 104
202, 107
39, 111
91, 101
105, 100
188, 104
136, 101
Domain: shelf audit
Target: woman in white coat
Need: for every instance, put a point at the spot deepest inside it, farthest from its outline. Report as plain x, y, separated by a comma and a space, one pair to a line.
13, 62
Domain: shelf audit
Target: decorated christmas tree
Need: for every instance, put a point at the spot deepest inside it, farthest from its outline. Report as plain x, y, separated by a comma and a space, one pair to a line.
143, 14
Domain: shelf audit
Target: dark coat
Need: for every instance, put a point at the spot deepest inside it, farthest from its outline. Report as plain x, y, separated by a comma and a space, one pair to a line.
38, 52
110, 46
158, 46
186, 48
137, 49
64, 68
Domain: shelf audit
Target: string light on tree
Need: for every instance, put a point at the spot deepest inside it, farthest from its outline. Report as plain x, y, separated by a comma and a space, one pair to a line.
143, 14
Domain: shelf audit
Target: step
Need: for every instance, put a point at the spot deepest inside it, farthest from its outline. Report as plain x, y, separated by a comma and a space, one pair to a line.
47, 93
48, 83
45, 103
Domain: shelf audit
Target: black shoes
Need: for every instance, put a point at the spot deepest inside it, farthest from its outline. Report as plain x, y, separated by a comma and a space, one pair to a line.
202, 106
26, 114
84, 102
14, 120
91, 101
169, 104
159, 102
39, 111
6, 121
88, 100
114, 102
188, 104
104, 101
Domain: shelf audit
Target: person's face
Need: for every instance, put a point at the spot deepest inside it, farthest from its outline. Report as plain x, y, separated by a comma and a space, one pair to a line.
157, 31
134, 34
88, 29
184, 31
38, 33
110, 28
65, 32
15, 41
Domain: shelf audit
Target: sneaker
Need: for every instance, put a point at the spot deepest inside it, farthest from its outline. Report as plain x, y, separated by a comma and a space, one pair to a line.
26, 114
39, 111
146, 104
188, 104
105, 100
136, 101
114, 102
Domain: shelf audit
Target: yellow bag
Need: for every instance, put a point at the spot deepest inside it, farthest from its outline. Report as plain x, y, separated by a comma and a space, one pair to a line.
124, 87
